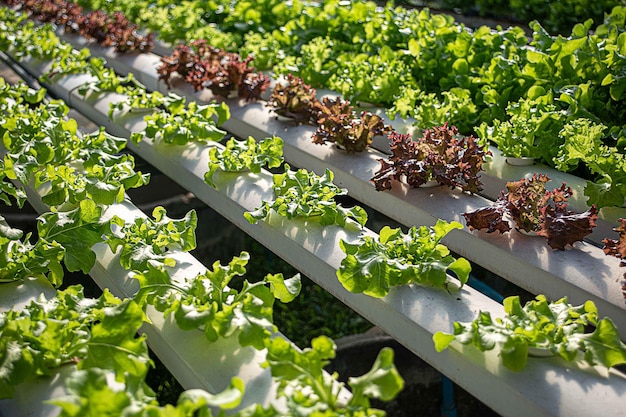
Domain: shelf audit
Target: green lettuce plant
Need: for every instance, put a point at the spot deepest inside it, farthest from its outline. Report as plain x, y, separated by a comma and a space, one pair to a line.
146, 241
21, 259
308, 390
180, 124
207, 301
248, 155
91, 389
71, 329
556, 327
375, 264
531, 130
305, 195
584, 144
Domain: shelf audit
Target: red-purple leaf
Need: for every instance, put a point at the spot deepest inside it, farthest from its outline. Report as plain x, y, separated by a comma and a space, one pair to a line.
253, 86
107, 30
563, 227
617, 247
204, 66
490, 218
387, 173
439, 155
534, 209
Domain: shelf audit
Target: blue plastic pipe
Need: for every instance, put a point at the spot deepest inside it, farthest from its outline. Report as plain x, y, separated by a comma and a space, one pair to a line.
485, 289
448, 405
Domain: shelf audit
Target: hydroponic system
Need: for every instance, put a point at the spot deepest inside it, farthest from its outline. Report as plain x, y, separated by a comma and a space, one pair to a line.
500, 149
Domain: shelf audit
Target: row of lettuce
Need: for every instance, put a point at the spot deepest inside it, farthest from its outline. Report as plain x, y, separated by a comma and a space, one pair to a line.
78, 191
557, 99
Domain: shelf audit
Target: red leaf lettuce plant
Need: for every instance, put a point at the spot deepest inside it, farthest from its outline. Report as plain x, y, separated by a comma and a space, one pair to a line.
335, 119
337, 123
296, 100
533, 209
438, 155
113, 30
204, 66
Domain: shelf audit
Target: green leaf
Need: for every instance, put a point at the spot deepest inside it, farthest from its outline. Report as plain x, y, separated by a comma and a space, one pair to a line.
514, 353
77, 231
364, 269
181, 125
382, 382
93, 392
238, 156
17, 363
110, 346
147, 240
582, 142
206, 301
604, 346
284, 290
309, 390
442, 340
92, 387
605, 194
70, 329
22, 259
461, 268
227, 399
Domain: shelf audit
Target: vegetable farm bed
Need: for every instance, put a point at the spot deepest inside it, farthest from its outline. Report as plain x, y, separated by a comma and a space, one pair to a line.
515, 253
423, 316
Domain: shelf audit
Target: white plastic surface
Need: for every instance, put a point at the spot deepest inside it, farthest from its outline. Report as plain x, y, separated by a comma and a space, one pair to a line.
16, 295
